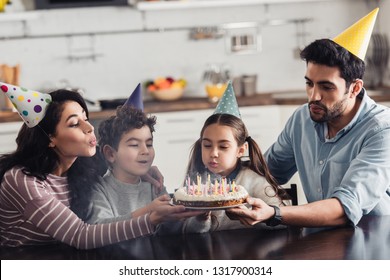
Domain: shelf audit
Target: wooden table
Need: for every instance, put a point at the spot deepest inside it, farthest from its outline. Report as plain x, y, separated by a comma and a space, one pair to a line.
369, 240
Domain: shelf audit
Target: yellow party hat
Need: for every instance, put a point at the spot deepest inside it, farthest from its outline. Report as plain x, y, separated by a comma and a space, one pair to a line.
355, 39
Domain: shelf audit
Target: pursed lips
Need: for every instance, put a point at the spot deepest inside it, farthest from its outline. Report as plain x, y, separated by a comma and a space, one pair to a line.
315, 108
92, 142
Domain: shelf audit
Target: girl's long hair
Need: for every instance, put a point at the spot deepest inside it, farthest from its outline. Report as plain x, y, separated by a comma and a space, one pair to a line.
256, 160
37, 159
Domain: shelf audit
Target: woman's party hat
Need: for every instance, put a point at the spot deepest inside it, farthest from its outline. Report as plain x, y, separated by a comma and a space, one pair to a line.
30, 104
135, 99
228, 103
355, 39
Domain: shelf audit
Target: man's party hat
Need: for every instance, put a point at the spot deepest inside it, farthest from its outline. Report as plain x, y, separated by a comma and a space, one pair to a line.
228, 103
135, 99
30, 104
355, 39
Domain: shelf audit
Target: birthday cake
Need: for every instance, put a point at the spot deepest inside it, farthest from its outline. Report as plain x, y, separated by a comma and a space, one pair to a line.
218, 194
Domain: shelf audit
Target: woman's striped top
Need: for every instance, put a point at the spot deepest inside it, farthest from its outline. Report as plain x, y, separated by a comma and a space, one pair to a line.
34, 211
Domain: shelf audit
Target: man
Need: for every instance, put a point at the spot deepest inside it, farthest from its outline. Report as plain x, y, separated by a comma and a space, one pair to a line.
339, 141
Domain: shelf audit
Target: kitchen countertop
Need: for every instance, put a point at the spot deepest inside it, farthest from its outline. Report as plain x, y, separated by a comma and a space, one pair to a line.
198, 103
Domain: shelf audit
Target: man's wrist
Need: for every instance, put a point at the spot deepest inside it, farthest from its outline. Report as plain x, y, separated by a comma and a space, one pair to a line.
276, 219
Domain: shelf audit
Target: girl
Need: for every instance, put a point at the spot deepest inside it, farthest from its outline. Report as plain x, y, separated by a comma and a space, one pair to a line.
45, 180
223, 142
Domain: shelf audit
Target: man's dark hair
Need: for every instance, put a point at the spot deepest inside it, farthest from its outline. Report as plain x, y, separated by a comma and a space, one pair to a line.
326, 52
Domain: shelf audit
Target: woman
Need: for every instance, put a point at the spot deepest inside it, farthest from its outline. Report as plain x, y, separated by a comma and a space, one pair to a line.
45, 181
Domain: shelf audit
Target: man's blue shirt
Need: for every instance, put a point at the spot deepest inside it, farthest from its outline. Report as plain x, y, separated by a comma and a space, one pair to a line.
353, 166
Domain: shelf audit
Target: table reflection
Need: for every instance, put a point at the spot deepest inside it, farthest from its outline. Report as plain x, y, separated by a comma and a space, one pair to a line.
369, 240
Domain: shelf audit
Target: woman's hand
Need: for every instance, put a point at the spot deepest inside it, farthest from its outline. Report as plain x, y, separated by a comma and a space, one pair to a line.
163, 211
155, 177
260, 212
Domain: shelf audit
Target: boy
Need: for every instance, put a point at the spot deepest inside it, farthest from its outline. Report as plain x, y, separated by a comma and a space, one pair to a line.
126, 143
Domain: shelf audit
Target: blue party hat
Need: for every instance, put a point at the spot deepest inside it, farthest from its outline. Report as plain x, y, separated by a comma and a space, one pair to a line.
135, 99
228, 103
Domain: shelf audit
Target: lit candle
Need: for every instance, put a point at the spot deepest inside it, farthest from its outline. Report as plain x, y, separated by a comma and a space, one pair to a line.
208, 183
198, 183
188, 183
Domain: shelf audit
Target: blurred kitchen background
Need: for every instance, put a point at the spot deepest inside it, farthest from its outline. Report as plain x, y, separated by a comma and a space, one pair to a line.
104, 48
107, 50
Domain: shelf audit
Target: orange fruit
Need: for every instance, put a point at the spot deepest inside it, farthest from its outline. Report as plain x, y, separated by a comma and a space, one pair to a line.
164, 84
152, 88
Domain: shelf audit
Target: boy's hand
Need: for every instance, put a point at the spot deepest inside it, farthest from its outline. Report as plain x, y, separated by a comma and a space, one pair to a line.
154, 177
152, 206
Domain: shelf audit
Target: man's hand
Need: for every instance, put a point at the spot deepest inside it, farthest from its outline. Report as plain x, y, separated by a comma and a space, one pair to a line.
260, 212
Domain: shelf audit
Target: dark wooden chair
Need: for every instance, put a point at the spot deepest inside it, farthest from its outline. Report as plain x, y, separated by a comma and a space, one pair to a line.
293, 193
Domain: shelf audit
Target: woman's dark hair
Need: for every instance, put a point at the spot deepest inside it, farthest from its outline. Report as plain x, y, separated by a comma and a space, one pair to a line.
326, 52
37, 159
256, 161
126, 118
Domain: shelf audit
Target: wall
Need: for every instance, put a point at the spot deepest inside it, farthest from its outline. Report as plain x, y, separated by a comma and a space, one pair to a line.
126, 56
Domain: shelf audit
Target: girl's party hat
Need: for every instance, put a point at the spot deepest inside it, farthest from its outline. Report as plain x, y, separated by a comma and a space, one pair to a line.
30, 104
228, 103
355, 39
135, 99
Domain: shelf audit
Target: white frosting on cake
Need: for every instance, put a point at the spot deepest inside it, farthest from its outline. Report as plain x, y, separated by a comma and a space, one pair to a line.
239, 193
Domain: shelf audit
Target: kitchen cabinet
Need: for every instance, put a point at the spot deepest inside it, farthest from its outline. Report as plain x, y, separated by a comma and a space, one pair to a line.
8, 133
263, 124
196, 4
385, 103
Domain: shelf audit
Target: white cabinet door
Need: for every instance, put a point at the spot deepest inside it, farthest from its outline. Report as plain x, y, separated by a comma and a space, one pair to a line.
263, 124
385, 103
8, 133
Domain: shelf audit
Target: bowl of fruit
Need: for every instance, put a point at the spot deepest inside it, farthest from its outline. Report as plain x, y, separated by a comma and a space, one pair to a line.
166, 89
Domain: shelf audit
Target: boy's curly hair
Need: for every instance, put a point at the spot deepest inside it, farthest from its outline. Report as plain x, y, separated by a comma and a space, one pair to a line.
126, 118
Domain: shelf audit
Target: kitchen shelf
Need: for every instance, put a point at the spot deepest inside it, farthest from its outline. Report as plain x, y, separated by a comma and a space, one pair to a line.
191, 4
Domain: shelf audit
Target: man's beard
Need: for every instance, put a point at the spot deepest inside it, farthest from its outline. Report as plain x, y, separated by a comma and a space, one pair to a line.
330, 114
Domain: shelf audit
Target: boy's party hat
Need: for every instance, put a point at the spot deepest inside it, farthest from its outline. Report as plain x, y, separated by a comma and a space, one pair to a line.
135, 99
228, 103
30, 104
355, 39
